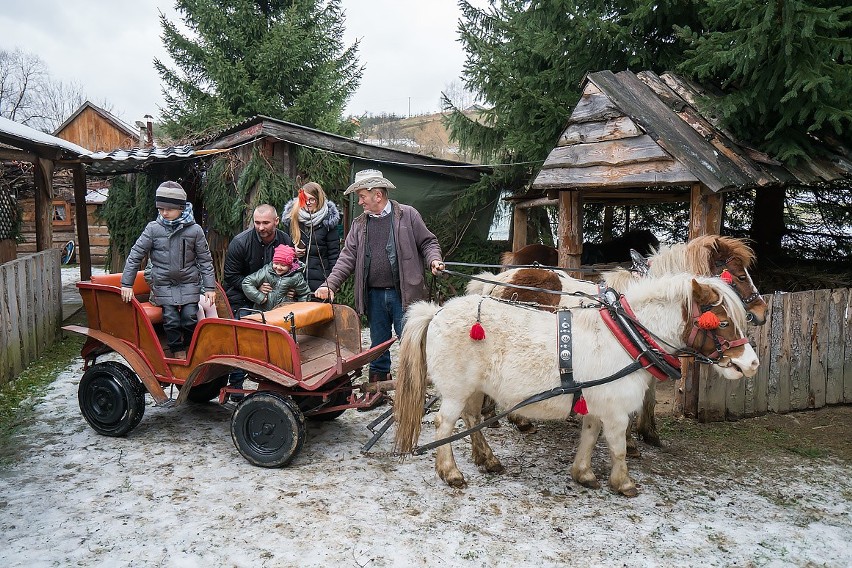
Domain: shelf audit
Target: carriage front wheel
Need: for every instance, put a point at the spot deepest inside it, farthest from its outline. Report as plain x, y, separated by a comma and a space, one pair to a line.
112, 398
268, 429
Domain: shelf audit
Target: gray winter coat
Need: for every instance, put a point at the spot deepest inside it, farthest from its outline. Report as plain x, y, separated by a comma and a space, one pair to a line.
180, 263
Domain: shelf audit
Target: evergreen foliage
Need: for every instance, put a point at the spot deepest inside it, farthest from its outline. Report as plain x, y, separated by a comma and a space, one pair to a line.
784, 68
129, 208
280, 58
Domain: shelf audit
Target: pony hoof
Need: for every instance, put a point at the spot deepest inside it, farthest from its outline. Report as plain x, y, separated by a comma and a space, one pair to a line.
629, 491
495, 424
494, 467
592, 483
652, 439
633, 452
527, 428
455, 480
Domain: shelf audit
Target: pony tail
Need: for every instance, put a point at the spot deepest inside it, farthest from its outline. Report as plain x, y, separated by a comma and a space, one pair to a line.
410, 389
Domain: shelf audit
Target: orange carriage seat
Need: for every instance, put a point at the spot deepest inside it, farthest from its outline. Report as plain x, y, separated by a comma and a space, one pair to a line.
300, 314
140, 287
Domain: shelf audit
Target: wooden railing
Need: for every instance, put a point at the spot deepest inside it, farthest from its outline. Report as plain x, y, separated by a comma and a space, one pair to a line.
805, 352
30, 310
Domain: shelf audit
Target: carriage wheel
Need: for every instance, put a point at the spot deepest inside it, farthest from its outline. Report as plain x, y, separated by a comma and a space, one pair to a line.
112, 398
268, 429
207, 391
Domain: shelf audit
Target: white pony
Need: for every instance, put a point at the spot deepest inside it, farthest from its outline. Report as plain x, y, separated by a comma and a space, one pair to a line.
518, 359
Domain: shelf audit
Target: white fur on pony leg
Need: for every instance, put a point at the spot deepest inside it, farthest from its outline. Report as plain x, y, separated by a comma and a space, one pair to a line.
445, 463
581, 470
614, 431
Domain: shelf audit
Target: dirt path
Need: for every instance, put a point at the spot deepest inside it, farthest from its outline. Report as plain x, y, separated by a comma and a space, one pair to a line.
774, 491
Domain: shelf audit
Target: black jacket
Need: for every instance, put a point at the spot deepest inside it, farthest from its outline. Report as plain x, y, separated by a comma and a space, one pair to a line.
322, 244
246, 255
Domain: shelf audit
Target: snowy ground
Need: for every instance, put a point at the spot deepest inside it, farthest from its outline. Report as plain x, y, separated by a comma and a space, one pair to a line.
175, 492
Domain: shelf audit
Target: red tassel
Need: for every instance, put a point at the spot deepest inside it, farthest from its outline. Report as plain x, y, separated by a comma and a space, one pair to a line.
303, 199
708, 320
476, 332
580, 406
727, 277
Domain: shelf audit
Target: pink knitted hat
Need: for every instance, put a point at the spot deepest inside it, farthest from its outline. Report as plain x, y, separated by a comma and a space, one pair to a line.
284, 255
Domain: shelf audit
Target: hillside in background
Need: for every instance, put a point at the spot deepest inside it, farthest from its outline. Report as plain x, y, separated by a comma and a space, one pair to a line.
425, 134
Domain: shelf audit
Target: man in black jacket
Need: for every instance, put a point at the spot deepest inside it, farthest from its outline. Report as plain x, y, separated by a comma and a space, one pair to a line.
250, 251
247, 253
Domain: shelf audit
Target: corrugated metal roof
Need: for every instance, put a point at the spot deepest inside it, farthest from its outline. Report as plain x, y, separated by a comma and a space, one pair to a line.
137, 159
21, 136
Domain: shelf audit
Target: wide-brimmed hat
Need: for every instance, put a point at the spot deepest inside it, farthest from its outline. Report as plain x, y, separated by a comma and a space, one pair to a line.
368, 179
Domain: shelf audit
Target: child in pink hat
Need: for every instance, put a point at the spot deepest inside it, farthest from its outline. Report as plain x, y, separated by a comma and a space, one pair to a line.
286, 276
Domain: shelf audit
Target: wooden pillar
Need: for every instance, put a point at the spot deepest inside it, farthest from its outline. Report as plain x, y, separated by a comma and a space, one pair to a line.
43, 203
608, 219
570, 230
705, 212
84, 252
705, 218
519, 228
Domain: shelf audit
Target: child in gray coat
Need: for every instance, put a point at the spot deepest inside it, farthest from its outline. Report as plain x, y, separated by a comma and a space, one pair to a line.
283, 275
180, 264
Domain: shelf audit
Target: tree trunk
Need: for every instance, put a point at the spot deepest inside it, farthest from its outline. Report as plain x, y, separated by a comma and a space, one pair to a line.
768, 226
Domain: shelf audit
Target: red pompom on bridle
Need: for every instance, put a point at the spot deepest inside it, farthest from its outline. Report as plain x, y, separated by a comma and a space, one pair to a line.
580, 406
708, 320
727, 277
477, 333
303, 199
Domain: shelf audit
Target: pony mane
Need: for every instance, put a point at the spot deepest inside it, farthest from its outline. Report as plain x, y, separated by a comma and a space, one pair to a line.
678, 287
695, 255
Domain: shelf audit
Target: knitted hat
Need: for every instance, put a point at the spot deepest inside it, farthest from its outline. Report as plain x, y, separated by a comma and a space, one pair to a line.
284, 255
368, 179
170, 195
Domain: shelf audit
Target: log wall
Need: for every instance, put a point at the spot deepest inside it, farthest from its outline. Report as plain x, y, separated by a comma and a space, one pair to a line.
30, 310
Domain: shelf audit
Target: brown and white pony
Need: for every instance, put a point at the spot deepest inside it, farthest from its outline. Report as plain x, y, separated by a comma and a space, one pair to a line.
518, 358
708, 255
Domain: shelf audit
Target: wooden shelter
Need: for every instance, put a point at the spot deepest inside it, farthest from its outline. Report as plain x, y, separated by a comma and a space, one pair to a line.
641, 138
47, 153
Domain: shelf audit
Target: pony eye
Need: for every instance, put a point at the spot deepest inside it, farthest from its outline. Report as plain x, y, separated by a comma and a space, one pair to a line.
723, 324
741, 278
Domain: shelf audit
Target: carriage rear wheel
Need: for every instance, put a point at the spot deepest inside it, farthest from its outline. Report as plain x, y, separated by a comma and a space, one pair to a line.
268, 429
111, 398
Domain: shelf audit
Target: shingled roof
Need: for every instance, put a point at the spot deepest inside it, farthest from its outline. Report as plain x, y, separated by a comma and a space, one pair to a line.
643, 130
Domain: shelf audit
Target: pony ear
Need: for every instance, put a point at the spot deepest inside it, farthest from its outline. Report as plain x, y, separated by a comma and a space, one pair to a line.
704, 295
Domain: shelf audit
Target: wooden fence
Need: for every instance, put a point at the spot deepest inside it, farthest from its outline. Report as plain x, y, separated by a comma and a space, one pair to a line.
805, 351
30, 310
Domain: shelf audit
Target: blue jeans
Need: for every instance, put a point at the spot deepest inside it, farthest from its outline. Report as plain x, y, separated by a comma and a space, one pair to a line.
179, 324
384, 309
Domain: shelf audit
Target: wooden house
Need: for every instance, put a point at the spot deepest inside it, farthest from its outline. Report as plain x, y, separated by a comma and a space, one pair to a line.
98, 130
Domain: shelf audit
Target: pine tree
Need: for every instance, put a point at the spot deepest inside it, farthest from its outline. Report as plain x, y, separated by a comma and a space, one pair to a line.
784, 68
280, 58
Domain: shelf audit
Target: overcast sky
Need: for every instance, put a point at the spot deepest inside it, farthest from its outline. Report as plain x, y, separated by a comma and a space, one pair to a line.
409, 48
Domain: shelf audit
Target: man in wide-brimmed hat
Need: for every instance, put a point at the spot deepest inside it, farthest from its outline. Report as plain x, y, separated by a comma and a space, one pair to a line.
387, 250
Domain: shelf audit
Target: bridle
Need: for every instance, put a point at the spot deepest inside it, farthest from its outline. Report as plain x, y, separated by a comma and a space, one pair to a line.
702, 329
730, 280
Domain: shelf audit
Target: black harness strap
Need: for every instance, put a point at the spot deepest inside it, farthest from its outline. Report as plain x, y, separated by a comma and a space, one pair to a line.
566, 352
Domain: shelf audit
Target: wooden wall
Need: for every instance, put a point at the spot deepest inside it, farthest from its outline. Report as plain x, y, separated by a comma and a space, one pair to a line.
805, 352
64, 232
93, 132
30, 309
